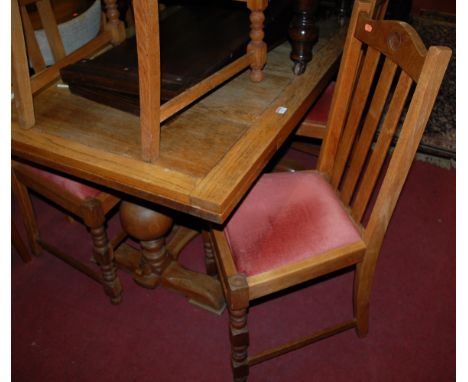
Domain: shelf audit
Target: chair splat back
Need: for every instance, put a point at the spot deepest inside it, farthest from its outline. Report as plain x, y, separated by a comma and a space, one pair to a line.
387, 76
301, 230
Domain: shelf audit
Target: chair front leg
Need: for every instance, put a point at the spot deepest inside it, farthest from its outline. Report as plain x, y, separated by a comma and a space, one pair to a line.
103, 252
239, 336
238, 304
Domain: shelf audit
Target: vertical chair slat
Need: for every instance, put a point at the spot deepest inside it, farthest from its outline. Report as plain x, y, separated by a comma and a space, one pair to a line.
361, 94
381, 148
413, 128
20, 70
370, 125
342, 94
32, 46
50, 28
380, 10
147, 34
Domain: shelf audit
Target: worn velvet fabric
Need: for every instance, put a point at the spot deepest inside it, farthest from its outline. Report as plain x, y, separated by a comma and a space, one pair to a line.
287, 217
80, 190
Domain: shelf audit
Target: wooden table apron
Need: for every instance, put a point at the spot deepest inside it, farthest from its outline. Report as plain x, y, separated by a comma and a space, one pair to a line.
209, 158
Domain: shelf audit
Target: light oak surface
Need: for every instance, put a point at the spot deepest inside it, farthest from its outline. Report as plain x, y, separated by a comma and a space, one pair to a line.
210, 154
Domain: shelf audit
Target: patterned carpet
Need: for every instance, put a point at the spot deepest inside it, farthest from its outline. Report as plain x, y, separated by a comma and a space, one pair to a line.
439, 140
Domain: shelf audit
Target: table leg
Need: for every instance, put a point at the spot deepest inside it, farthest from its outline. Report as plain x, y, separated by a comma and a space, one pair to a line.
155, 266
303, 33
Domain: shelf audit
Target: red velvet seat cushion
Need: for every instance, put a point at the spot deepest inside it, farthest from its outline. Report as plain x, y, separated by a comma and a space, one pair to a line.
320, 110
77, 189
285, 218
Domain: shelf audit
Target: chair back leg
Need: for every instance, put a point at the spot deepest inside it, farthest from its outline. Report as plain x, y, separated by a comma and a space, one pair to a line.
19, 244
27, 212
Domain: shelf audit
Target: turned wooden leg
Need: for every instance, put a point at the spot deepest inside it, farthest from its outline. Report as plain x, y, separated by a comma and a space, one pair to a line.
303, 33
257, 47
94, 219
210, 262
113, 24
238, 304
149, 227
239, 336
156, 266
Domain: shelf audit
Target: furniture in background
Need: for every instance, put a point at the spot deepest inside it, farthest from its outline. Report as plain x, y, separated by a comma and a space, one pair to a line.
207, 34
312, 129
24, 45
304, 29
315, 121
209, 155
151, 114
303, 33
140, 135
77, 24
88, 203
318, 222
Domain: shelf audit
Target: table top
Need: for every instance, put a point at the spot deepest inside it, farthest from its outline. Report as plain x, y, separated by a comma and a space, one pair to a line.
211, 153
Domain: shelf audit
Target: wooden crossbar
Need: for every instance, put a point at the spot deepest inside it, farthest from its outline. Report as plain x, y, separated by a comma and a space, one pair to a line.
304, 341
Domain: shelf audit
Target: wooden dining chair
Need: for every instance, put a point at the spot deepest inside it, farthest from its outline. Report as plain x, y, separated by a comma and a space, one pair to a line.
314, 124
294, 227
84, 201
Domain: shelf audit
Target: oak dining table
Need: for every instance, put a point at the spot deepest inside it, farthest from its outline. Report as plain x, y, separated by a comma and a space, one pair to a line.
210, 155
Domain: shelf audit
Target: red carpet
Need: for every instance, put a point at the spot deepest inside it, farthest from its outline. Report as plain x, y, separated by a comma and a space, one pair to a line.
65, 329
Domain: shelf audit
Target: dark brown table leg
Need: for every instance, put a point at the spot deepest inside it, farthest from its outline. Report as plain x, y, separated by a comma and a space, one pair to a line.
303, 33
156, 266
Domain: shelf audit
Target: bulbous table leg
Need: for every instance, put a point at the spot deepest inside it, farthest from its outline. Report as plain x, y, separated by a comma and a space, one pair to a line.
156, 266
149, 227
303, 33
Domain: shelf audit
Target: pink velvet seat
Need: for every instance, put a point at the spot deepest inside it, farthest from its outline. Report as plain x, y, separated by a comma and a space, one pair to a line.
285, 218
77, 189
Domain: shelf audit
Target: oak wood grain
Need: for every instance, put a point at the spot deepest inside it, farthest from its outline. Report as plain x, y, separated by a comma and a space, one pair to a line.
210, 153
147, 27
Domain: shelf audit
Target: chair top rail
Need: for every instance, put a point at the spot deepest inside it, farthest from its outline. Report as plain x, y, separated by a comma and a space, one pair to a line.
396, 40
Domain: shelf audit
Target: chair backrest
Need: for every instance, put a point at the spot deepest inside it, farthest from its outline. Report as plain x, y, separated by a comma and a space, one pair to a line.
24, 45
387, 79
